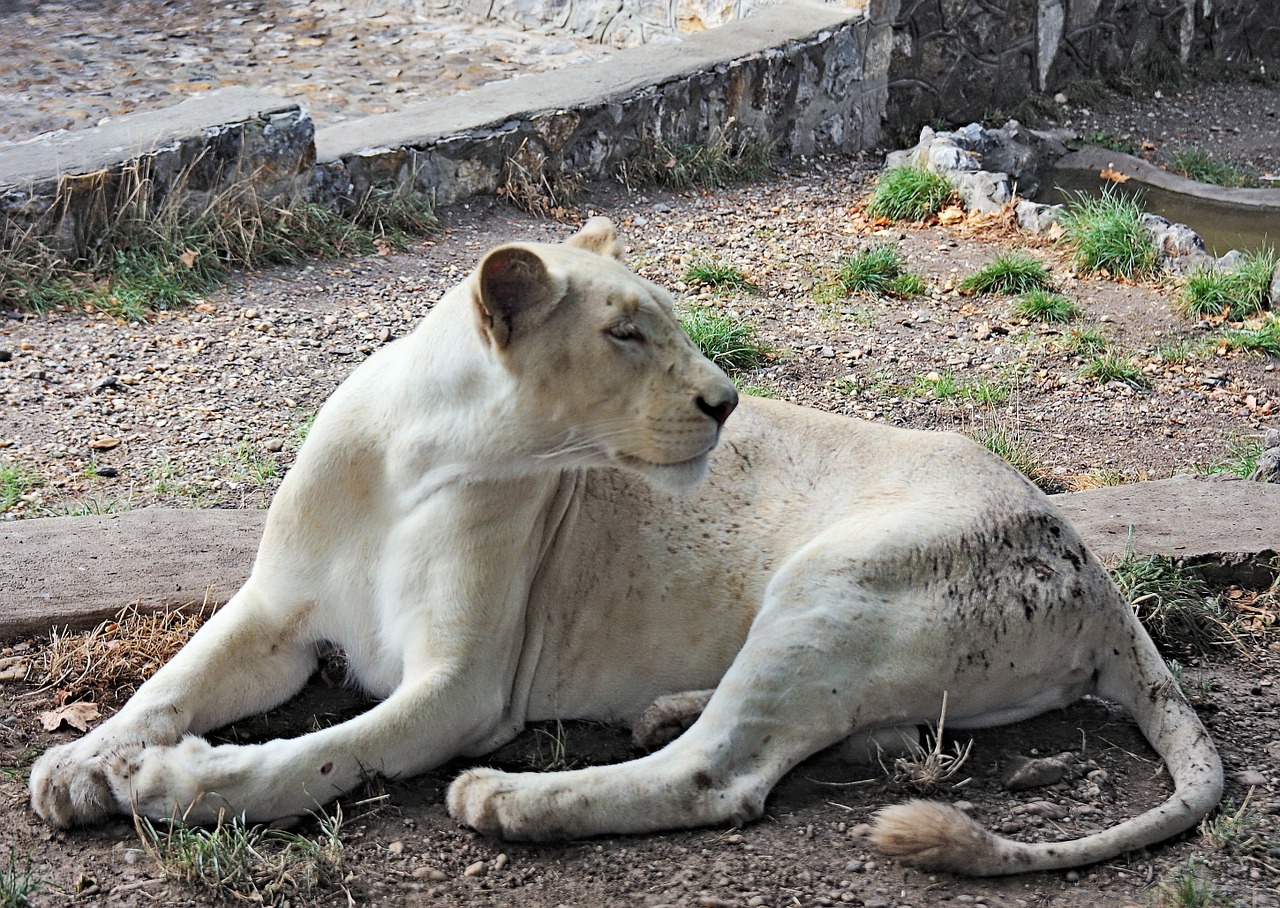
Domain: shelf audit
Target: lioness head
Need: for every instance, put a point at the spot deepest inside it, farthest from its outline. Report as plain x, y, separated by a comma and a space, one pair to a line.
603, 370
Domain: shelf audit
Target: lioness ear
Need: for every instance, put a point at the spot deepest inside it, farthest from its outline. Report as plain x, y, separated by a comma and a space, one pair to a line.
598, 236
516, 291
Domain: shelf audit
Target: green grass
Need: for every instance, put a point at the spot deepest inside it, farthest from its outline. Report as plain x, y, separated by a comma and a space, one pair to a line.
18, 886
1197, 164
1189, 889
1104, 139
1086, 341
144, 253
1263, 338
1106, 234
1241, 458
1108, 367
718, 274
880, 270
1182, 350
946, 386
755, 389
1009, 447
15, 481
708, 165
1044, 306
248, 464
1008, 272
1235, 830
1179, 611
731, 343
235, 861
1242, 291
90, 507
910, 194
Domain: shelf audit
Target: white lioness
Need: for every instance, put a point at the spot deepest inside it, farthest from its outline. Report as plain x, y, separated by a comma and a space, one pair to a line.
500, 518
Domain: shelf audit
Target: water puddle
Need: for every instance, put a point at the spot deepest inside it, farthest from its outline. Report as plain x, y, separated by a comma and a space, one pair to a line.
1222, 225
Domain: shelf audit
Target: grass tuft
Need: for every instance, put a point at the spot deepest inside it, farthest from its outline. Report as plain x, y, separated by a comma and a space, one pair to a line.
729, 342
18, 886
1009, 447
1008, 272
910, 194
1086, 341
1242, 291
1109, 367
1197, 164
1106, 234
15, 481
1189, 889
1263, 338
880, 270
718, 274
714, 164
235, 861
1177, 608
1241, 459
1046, 307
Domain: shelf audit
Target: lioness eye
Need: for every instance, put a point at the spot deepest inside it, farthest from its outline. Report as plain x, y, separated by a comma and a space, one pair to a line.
624, 330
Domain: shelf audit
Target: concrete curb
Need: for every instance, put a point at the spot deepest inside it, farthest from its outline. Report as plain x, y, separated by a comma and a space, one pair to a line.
78, 571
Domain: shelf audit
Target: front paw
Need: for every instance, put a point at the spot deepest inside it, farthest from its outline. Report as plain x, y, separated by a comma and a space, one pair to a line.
72, 784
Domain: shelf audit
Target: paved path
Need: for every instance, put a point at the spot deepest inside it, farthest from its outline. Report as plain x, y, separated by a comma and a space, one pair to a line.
69, 64
78, 571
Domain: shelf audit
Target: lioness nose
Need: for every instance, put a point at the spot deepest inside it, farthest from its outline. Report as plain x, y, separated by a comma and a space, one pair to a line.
719, 407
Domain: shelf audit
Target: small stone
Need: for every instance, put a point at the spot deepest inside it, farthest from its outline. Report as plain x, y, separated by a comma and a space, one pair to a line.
479, 868
1250, 777
104, 443
1028, 772
5, 355
273, 445
396, 848
856, 867
107, 472
712, 901
501, 861
1072, 876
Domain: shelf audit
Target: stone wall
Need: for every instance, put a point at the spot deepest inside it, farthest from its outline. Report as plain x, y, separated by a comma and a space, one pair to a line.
807, 78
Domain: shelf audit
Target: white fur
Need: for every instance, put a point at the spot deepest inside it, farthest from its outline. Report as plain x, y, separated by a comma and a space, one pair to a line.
499, 519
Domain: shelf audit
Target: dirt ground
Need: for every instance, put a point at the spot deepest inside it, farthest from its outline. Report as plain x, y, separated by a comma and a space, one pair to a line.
205, 407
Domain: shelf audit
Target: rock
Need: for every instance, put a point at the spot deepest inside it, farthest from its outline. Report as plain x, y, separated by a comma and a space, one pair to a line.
5, 355
1033, 772
479, 868
984, 191
1275, 295
273, 445
1250, 777
1034, 217
1229, 262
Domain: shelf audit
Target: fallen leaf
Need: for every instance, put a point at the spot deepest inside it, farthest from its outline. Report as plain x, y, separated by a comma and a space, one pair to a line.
953, 214
78, 715
105, 443
189, 257
1115, 176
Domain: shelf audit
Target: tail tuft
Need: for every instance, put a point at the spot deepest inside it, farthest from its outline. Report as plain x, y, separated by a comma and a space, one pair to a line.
934, 836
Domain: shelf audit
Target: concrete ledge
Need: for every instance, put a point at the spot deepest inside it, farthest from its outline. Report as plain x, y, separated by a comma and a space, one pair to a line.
1094, 159
77, 571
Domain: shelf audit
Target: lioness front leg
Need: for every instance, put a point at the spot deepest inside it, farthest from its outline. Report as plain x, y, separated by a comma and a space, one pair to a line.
246, 659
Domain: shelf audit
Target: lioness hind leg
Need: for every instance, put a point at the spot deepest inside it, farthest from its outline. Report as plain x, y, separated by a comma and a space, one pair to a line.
246, 659
810, 673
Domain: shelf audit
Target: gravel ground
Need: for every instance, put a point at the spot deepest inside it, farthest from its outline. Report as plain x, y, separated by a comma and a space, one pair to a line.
205, 407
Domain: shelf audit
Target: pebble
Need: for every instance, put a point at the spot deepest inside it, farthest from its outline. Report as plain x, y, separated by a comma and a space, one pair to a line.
1250, 777
479, 868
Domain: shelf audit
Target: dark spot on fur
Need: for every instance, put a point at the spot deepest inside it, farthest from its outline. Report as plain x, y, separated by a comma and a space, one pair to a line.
326, 769
702, 780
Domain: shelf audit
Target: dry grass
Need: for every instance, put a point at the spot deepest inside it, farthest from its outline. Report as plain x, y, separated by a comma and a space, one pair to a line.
927, 770
107, 664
